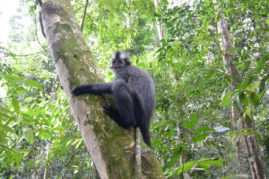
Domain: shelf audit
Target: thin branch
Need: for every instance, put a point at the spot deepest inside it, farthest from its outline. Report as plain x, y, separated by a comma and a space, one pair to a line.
138, 171
84, 15
41, 24
30, 54
40, 18
37, 39
219, 150
20, 55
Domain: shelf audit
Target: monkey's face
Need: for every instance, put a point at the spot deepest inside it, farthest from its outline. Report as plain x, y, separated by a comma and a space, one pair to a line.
117, 63
119, 60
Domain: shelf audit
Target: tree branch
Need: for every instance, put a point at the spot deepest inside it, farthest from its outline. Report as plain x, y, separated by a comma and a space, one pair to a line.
138, 171
37, 39
41, 24
20, 55
84, 15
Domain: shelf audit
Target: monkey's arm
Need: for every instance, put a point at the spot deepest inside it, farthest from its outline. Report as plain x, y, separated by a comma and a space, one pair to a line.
95, 88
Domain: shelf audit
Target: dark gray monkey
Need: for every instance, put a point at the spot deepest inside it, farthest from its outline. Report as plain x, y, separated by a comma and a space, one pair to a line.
133, 91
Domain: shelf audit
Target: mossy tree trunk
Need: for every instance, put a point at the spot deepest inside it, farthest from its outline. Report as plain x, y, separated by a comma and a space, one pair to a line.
111, 147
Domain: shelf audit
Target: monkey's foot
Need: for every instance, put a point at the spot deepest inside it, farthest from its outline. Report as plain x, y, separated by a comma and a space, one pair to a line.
111, 112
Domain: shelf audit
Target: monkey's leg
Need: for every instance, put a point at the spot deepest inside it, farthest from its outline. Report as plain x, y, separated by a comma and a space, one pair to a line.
125, 104
95, 88
115, 115
112, 113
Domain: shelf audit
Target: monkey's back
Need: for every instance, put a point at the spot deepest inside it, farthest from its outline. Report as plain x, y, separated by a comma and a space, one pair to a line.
140, 81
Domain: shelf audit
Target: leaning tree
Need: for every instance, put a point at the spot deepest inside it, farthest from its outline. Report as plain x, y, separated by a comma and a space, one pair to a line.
112, 148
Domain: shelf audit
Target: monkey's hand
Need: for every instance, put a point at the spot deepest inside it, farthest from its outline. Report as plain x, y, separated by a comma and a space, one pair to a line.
79, 90
93, 88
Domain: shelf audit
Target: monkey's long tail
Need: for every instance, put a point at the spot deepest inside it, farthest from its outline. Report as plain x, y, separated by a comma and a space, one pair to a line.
141, 115
145, 135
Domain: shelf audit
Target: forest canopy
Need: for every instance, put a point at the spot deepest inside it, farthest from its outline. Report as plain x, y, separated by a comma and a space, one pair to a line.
210, 64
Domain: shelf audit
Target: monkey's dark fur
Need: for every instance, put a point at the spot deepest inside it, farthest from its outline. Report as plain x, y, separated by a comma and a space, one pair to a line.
134, 94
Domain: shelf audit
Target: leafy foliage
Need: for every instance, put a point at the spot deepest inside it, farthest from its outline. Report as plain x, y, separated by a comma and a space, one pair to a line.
192, 131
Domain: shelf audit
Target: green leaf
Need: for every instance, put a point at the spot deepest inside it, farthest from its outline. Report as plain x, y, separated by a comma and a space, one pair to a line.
186, 167
32, 83
176, 153
254, 99
194, 116
78, 144
199, 138
255, 85
202, 129
245, 83
5, 128
243, 99
204, 164
191, 123
13, 78
171, 162
30, 137
44, 134
226, 98
216, 163
25, 150
16, 106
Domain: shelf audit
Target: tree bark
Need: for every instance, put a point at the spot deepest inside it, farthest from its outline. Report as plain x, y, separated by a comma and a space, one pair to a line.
237, 144
111, 147
249, 142
158, 22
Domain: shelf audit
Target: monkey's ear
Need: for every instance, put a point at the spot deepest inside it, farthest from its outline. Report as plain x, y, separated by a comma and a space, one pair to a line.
127, 62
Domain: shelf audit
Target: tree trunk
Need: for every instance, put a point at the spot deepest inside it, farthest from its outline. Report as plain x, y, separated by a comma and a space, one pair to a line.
158, 22
238, 143
249, 141
111, 147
